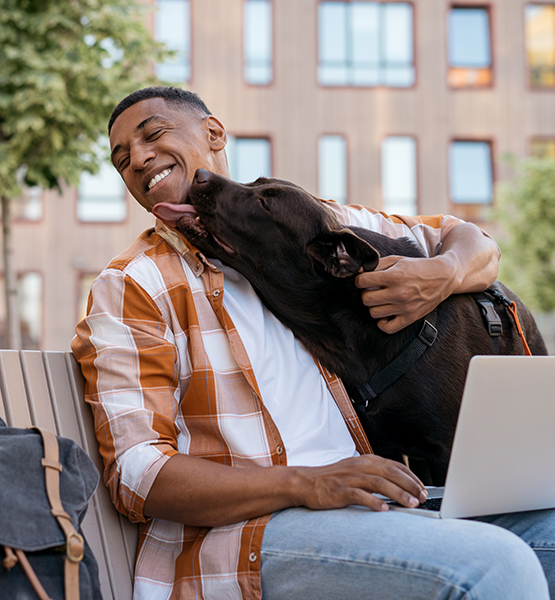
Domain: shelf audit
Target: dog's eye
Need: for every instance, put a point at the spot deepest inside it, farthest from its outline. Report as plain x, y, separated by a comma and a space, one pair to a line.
264, 203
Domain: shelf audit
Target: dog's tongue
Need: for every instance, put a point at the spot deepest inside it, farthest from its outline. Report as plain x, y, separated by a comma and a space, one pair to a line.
171, 213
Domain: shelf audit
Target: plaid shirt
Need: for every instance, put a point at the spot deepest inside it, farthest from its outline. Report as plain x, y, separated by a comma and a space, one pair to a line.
167, 373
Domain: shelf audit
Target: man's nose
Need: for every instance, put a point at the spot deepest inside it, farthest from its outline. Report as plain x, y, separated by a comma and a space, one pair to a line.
141, 156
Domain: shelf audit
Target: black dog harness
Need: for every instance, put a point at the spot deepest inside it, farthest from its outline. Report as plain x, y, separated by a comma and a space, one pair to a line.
426, 338
492, 320
389, 374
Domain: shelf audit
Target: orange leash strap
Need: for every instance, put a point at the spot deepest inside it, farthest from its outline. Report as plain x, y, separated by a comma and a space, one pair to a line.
511, 307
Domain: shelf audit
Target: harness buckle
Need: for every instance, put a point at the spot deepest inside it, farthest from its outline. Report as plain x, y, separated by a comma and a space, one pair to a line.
493, 320
428, 333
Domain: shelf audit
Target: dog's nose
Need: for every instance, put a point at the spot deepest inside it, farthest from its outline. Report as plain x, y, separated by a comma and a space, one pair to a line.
202, 176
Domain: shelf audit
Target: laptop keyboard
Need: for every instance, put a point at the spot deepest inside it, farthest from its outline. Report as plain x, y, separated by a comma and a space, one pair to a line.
430, 504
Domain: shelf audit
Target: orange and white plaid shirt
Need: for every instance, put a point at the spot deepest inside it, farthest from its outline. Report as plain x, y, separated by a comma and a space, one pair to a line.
145, 349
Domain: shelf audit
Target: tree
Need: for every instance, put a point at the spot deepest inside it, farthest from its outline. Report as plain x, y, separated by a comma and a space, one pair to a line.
526, 211
64, 65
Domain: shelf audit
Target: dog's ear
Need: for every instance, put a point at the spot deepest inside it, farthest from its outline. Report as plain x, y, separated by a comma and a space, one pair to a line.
342, 253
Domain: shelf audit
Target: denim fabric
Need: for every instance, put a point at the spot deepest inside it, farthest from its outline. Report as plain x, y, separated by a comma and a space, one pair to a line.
353, 553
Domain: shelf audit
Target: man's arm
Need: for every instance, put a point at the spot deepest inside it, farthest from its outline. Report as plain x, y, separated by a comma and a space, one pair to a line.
130, 363
200, 492
402, 290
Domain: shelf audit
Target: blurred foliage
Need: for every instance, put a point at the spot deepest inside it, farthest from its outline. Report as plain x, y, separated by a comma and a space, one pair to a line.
64, 65
526, 212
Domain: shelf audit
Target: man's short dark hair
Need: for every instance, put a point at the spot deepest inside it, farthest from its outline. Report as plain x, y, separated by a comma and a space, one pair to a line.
172, 95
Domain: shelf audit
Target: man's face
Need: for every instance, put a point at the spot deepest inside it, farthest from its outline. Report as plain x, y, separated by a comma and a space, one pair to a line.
157, 149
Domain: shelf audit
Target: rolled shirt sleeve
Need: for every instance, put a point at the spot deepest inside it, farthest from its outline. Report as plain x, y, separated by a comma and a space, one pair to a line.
129, 360
427, 231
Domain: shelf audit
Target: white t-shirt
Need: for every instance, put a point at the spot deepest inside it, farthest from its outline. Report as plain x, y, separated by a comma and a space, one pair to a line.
292, 387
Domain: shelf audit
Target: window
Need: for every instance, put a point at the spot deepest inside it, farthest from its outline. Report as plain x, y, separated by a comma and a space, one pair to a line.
540, 44
470, 172
332, 168
543, 148
29, 289
249, 158
29, 206
172, 26
85, 283
469, 49
257, 41
365, 44
102, 196
399, 188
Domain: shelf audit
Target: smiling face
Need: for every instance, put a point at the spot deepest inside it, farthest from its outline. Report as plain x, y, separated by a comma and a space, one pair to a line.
157, 148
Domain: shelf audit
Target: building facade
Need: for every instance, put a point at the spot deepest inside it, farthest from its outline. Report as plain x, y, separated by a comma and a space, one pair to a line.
408, 107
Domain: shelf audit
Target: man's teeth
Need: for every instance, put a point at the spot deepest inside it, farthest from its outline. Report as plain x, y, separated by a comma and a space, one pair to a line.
158, 178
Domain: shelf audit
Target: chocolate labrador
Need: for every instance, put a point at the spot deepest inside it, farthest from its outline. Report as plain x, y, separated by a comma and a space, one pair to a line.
302, 263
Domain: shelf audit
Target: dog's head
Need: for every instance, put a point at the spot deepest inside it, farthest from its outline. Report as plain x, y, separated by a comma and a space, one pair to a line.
270, 224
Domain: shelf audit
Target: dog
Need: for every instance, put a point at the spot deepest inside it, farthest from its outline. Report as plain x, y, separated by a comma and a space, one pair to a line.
302, 263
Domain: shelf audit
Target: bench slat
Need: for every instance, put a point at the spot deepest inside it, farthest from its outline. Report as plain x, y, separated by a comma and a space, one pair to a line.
44, 411
13, 390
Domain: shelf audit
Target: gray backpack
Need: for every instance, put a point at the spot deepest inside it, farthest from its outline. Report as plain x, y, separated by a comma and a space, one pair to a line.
45, 485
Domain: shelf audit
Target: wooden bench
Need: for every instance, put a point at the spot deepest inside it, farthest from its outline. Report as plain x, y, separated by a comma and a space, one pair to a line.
47, 389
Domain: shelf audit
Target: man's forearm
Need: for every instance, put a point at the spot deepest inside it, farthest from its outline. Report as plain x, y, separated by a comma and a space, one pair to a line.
473, 258
199, 492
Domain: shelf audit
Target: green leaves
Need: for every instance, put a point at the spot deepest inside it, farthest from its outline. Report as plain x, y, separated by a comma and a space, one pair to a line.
64, 65
526, 210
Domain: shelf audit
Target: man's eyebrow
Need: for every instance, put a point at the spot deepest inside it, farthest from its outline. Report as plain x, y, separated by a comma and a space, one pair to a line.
140, 126
144, 123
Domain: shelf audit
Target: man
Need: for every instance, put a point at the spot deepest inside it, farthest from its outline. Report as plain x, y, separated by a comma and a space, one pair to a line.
243, 460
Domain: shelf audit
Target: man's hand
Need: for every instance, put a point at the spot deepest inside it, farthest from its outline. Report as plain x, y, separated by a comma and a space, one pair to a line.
355, 480
402, 290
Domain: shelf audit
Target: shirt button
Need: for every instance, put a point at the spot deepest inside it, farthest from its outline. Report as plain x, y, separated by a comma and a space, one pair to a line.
253, 556
279, 450
198, 268
216, 293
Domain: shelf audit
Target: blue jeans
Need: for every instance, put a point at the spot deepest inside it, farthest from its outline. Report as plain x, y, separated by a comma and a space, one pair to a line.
353, 553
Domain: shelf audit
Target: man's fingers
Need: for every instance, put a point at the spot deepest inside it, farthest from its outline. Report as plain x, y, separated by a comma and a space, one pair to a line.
393, 325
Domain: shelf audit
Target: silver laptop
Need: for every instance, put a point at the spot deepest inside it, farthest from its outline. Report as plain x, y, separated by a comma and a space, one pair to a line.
503, 457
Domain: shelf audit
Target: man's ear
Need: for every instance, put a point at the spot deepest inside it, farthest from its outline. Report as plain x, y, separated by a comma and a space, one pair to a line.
342, 253
217, 133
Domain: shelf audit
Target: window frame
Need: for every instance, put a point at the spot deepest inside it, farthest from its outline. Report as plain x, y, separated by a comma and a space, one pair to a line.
21, 219
19, 275
250, 136
491, 38
416, 170
468, 207
189, 81
380, 85
530, 85
272, 45
125, 201
347, 165
539, 138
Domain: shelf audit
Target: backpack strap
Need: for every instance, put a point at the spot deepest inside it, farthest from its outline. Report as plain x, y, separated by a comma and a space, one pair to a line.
75, 545
13, 556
